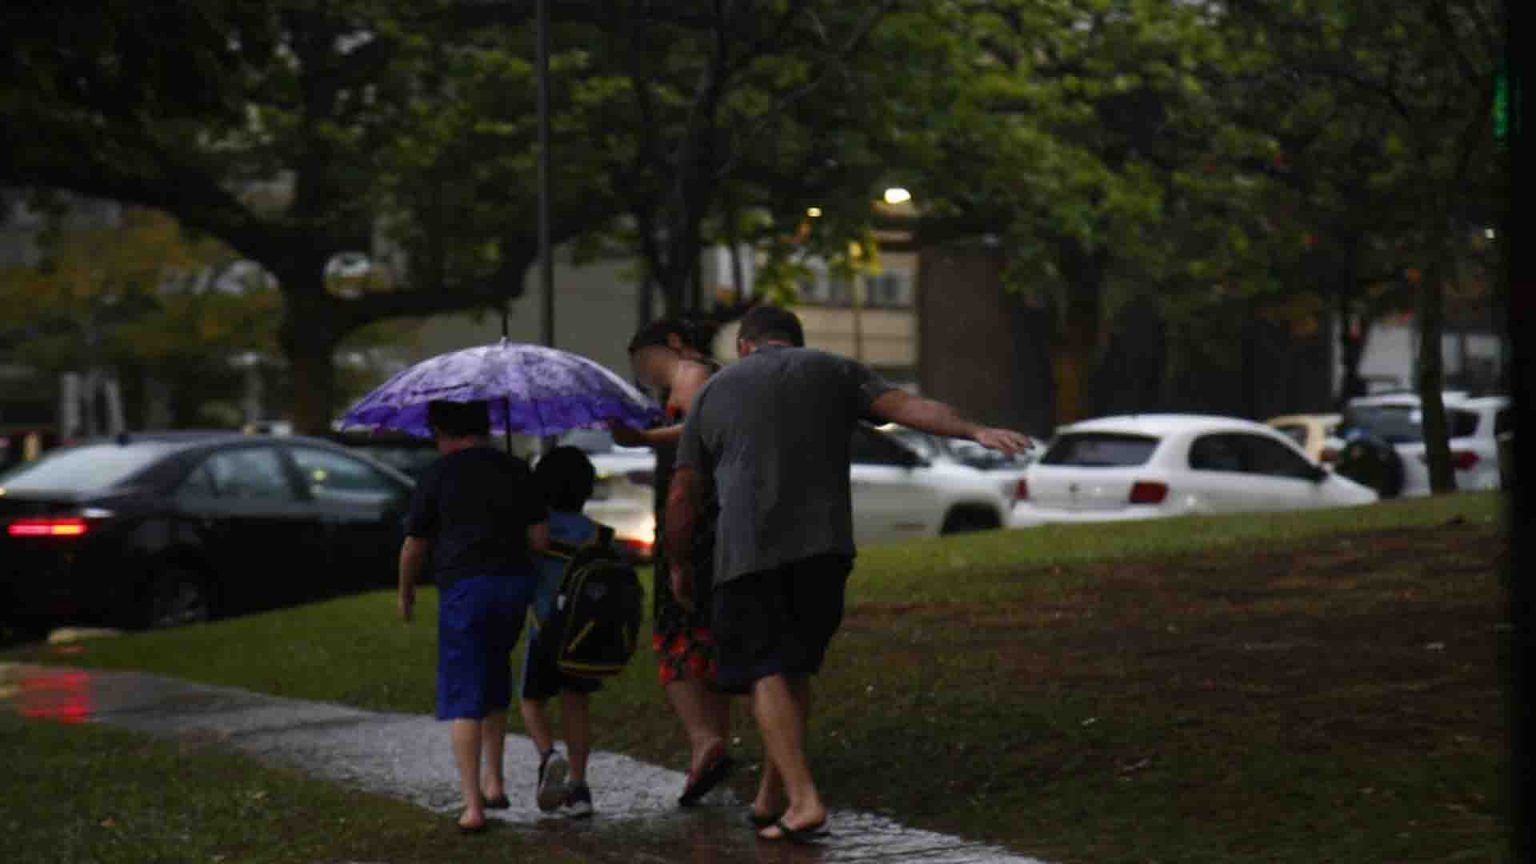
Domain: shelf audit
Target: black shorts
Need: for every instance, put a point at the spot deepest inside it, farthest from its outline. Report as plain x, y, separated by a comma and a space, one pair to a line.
778, 622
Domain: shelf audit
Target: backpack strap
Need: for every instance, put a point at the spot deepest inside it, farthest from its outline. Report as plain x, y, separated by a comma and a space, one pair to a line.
602, 538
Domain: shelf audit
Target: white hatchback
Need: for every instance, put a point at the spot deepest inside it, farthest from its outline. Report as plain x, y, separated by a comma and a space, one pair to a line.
1158, 465
1474, 424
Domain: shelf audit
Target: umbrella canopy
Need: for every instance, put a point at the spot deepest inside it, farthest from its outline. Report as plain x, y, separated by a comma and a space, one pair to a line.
531, 390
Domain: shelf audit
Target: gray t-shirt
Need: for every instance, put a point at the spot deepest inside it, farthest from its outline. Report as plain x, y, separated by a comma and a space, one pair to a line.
773, 433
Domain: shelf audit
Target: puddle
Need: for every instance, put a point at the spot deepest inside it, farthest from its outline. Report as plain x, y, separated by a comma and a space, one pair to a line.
407, 756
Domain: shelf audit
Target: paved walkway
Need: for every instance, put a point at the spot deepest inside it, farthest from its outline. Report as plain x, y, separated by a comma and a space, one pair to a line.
407, 756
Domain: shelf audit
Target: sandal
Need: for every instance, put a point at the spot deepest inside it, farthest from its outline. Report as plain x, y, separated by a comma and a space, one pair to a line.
706, 782
806, 836
763, 822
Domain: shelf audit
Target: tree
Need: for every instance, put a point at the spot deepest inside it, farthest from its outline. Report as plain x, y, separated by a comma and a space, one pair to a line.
142, 301
295, 133
1090, 139
1406, 95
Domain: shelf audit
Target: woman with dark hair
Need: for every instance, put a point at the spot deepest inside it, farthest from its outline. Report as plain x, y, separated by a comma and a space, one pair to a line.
669, 355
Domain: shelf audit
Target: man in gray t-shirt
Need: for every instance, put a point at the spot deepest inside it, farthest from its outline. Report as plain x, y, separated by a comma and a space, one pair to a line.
772, 435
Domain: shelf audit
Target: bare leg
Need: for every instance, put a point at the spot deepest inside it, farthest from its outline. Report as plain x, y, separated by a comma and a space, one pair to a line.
771, 797
706, 720
466, 755
493, 741
782, 723
537, 724
576, 721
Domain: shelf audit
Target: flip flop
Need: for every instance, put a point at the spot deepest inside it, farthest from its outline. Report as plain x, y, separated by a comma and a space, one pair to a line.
806, 836
472, 829
763, 822
712, 776
500, 802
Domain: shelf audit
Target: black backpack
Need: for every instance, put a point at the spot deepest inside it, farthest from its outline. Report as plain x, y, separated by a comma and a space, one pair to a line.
595, 628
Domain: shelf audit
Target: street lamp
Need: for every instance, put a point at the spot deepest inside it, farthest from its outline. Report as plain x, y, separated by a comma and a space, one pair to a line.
813, 212
897, 195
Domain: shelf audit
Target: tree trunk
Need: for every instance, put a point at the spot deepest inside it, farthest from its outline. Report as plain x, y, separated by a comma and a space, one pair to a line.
1431, 377
309, 335
1072, 355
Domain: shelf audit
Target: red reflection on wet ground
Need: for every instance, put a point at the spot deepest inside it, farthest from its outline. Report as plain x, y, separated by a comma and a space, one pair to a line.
61, 696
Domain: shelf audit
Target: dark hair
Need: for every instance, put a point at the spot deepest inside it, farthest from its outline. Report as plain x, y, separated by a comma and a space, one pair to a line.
459, 419
657, 332
567, 477
772, 324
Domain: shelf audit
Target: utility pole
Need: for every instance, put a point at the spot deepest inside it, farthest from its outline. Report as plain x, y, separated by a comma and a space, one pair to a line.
546, 264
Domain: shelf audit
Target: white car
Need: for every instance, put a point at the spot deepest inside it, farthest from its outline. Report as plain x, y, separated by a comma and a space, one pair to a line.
1158, 465
898, 493
1474, 424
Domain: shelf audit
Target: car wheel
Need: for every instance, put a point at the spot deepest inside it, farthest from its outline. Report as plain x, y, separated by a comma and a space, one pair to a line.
176, 597
968, 520
1374, 463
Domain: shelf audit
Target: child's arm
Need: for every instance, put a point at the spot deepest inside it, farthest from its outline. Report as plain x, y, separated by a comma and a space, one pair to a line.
413, 562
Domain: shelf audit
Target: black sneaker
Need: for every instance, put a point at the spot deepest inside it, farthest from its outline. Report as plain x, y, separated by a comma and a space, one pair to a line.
553, 770
578, 802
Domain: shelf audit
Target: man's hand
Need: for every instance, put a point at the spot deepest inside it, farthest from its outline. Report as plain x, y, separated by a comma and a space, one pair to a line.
1005, 440
682, 585
627, 437
407, 602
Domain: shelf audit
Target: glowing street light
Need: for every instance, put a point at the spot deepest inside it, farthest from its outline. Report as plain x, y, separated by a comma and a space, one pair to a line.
897, 195
813, 212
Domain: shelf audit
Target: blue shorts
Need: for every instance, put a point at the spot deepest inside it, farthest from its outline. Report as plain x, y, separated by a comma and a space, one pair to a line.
479, 620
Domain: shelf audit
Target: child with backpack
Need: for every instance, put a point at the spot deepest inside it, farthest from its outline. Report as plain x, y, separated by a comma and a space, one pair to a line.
581, 552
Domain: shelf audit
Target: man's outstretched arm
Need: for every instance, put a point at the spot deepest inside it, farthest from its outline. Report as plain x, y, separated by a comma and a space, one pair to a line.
928, 415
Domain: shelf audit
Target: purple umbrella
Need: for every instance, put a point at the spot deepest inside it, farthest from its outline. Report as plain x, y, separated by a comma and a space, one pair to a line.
532, 390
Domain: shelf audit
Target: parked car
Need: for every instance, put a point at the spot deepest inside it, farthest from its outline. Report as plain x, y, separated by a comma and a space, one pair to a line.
404, 453
1380, 441
1310, 431
160, 529
1153, 466
898, 492
936, 448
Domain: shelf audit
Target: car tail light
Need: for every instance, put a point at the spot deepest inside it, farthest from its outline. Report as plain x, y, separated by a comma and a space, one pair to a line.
1021, 491
636, 545
1464, 460
1329, 455
1146, 492
71, 527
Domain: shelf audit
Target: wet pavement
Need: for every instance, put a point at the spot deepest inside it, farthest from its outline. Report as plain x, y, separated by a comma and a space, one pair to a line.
407, 756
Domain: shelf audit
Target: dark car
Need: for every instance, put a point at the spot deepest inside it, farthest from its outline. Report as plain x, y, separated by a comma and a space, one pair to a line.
152, 530
410, 456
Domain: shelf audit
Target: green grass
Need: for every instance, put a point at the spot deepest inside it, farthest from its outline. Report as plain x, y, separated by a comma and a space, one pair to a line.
90, 793
1297, 687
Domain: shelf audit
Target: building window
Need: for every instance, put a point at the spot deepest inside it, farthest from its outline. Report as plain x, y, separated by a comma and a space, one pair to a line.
889, 290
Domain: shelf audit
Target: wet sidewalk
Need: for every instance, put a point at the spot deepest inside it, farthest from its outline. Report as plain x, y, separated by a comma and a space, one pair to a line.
407, 756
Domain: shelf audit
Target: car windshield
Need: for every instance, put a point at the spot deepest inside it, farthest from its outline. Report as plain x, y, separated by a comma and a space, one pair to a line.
1100, 450
410, 461
1401, 424
87, 468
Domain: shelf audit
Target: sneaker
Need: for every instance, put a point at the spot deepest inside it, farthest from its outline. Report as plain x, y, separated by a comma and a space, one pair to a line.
553, 770
578, 802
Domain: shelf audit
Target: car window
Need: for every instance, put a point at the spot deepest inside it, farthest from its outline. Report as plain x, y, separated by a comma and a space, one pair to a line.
87, 468
1463, 424
340, 478
1503, 422
1217, 453
919, 442
871, 447
248, 474
1273, 459
1100, 450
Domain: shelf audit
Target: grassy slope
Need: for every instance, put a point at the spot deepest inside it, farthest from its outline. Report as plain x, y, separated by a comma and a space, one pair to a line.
1254, 686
